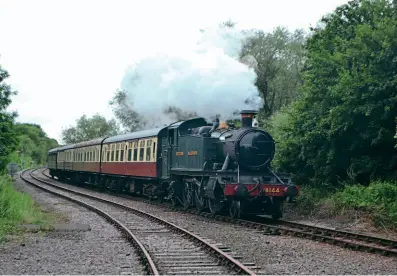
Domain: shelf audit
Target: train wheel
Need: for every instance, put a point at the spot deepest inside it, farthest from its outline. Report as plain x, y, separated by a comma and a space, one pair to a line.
235, 209
215, 206
187, 196
172, 194
278, 208
108, 184
200, 201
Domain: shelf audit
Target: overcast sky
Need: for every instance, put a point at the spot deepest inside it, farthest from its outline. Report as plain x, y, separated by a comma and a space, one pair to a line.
66, 58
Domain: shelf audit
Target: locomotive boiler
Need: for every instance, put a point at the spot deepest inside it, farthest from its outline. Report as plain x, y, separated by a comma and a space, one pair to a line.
191, 163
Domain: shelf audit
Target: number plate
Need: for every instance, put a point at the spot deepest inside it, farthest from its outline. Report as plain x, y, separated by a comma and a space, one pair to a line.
273, 190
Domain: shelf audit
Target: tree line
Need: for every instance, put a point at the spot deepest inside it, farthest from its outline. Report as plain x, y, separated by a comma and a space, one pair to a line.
329, 96
22, 143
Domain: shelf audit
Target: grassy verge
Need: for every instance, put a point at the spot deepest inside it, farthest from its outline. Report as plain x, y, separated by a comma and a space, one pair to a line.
17, 208
377, 202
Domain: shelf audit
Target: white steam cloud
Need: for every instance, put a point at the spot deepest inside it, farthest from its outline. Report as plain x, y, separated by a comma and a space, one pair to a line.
207, 79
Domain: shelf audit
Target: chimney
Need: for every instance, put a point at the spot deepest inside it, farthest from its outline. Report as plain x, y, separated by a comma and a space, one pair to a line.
246, 117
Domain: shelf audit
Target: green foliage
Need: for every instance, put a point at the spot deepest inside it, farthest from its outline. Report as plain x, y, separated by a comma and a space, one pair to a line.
309, 200
395, 136
343, 126
33, 145
16, 207
378, 199
89, 128
278, 59
8, 139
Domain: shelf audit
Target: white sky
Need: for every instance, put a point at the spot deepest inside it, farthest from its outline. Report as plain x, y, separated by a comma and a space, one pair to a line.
67, 58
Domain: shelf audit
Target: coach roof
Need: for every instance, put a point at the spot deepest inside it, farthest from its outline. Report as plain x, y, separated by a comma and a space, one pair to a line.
134, 135
53, 150
93, 142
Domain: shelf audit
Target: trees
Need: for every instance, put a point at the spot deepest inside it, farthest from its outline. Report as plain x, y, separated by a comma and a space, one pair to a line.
8, 140
132, 121
33, 145
123, 111
89, 128
343, 127
279, 58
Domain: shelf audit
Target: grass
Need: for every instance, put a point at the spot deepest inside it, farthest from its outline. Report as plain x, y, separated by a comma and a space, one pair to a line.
17, 208
377, 202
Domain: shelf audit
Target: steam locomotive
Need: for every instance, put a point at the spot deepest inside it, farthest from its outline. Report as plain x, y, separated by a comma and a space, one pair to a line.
190, 163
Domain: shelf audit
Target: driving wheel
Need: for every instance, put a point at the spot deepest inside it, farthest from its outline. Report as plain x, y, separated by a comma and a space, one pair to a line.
187, 197
235, 209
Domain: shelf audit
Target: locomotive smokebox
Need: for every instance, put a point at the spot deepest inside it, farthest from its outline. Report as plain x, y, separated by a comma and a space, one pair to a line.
246, 118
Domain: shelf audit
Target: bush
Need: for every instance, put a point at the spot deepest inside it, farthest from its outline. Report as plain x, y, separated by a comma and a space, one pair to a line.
16, 207
378, 199
309, 200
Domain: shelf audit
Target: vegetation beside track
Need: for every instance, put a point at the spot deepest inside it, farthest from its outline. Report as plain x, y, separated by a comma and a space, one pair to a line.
18, 208
375, 204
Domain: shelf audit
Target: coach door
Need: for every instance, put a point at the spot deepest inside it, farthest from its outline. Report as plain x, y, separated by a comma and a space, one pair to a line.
164, 157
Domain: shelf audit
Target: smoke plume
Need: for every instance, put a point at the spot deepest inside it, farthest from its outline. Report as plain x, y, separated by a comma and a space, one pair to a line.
207, 79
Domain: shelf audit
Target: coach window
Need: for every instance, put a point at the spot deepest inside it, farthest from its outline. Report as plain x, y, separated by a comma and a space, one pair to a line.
148, 149
112, 153
129, 157
122, 152
154, 151
135, 151
141, 150
117, 152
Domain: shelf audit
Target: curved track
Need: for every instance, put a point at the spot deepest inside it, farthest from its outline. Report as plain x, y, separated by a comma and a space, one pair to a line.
142, 252
167, 248
345, 239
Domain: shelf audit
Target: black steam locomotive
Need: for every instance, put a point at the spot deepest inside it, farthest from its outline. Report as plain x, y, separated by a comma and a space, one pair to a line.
190, 163
228, 168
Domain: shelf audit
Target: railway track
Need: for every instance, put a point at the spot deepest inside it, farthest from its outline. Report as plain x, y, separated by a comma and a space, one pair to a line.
345, 239
164, 248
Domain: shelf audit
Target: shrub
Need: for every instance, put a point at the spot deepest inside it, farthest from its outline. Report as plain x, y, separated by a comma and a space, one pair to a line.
16, 207
378, 199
